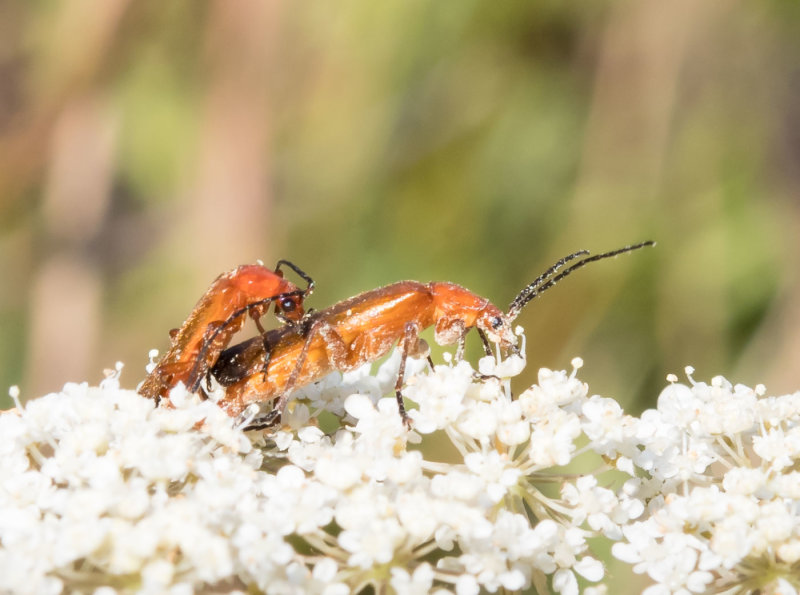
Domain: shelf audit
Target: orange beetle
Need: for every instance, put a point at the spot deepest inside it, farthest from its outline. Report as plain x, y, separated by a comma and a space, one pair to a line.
220, 313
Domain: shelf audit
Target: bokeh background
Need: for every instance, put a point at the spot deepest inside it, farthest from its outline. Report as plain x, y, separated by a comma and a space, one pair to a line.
145, 147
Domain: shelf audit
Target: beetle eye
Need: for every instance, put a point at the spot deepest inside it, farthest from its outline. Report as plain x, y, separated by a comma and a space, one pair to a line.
287, 305
496, 322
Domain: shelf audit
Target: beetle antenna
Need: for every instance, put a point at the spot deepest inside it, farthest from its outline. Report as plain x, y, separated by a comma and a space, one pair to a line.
528, 293
195, 377
300, 272
545, 281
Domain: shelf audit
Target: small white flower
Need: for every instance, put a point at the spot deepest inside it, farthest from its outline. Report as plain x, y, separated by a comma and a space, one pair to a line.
418, 583
494, 470
776, 447
553, 439
440, 396
506, 368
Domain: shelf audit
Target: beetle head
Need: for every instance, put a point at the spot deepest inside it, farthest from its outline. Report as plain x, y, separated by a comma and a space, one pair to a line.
497, 326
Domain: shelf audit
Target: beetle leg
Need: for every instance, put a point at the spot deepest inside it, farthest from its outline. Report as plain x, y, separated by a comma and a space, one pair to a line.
451, 330
487, 348
257, 319
256, 314
462, 339
482, 377
267, 354
335, 349
209, 388
212, 344
460, 348
411, 345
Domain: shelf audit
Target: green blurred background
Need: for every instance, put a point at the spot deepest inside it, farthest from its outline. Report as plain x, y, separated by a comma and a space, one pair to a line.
145, 147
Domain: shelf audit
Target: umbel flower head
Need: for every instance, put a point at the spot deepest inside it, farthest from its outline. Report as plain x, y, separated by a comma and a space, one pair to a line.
722, 487
102, 492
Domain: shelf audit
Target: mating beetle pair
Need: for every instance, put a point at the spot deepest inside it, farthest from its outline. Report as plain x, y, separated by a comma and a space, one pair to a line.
342, 337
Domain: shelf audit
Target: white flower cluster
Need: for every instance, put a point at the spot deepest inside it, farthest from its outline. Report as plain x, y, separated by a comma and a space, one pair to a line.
102, 493
722, 486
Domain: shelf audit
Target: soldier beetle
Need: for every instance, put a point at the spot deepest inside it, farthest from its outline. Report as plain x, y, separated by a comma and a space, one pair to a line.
218, 315
365, 327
